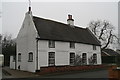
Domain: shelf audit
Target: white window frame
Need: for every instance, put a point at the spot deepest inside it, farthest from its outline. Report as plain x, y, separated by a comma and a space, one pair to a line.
72, 45
30, 57
94, 58
51, 59
94, 47
84, 59
72, 58
51, 44
19, 57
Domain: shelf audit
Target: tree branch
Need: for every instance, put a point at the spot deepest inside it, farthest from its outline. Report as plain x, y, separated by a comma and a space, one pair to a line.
108, 41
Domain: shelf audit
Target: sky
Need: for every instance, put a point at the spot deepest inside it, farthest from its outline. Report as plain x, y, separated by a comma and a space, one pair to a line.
12, 12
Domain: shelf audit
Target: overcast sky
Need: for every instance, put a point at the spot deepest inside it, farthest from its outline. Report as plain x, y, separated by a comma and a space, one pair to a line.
13, 13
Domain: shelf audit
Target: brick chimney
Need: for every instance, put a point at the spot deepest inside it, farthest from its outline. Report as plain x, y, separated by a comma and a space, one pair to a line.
70, 21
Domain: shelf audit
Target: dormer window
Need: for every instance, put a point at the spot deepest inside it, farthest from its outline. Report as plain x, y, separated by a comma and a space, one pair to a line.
51, 44
72, 45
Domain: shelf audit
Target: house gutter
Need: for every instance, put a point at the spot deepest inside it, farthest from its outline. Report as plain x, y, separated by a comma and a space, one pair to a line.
36, 54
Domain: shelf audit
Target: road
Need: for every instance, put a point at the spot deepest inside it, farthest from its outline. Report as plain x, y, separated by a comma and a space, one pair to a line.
90, 74
93, 74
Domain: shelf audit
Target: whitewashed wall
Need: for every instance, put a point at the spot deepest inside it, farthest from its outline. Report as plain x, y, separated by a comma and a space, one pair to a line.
62, 51
26, 42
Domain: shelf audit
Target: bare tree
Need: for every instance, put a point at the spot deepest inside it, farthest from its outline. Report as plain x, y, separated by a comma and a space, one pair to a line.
7, 40
8, 48
103, 30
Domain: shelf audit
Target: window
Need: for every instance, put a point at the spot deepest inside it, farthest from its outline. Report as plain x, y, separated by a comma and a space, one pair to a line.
84, 58
72, 58
51, 44
51, 60
94, 58
72, 45
94, 47
19, 57
30, 58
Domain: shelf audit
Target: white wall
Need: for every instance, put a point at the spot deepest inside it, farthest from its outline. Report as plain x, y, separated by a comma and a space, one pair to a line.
12, 64
62, 51
1, 60
26, 42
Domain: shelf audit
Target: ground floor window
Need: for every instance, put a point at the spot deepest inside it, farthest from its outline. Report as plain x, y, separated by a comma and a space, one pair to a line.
51, 59
72, 58
84, 58
30, 57
94, 58
19, 57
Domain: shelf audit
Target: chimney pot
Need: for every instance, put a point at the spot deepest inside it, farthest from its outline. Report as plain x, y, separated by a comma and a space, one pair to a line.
70, 21
69, 16
29, 8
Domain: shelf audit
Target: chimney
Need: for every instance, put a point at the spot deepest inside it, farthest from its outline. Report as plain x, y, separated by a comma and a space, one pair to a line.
29, 9
70, 21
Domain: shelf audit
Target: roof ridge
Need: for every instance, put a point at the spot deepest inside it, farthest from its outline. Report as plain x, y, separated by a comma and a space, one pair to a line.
59, 22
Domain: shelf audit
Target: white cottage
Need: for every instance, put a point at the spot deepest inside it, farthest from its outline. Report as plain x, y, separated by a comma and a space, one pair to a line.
42, 42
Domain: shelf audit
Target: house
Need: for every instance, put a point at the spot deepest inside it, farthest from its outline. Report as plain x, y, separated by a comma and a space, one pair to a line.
42, 42
110, 56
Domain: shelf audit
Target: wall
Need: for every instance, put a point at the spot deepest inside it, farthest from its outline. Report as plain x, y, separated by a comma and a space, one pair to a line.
12, 63
62, 52
26, 42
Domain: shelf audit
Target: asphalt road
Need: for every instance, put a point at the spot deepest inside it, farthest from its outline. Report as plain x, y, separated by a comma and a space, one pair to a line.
93, 74
90, 74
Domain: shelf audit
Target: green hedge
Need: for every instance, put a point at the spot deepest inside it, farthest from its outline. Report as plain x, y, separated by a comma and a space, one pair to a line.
111, 59
118, 60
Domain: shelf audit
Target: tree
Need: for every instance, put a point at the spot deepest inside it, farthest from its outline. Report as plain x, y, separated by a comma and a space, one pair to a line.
8, 48
78, 60
104, 31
